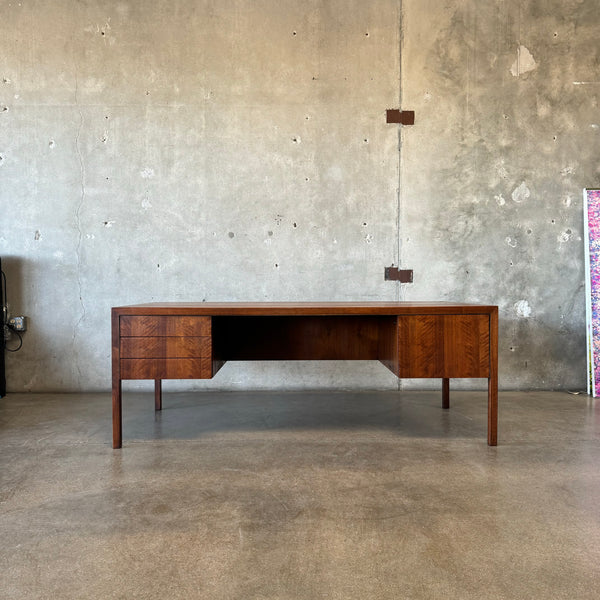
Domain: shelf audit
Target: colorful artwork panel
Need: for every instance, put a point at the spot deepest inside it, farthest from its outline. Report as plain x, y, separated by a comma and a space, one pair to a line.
592, 222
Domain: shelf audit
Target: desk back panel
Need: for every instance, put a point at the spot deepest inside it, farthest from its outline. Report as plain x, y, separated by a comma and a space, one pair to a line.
296, 338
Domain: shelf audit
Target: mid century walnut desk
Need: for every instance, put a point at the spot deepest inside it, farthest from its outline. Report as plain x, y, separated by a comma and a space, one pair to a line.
413, 339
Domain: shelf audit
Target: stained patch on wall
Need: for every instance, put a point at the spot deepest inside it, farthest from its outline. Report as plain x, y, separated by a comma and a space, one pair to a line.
521, 193
523, 309
524, 62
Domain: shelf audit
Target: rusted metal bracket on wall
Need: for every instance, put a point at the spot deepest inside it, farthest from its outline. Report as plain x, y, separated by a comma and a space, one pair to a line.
404, 117
395, 274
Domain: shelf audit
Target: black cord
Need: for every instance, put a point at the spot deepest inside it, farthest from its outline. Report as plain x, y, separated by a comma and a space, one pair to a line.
5, 298
20, 342
5, 317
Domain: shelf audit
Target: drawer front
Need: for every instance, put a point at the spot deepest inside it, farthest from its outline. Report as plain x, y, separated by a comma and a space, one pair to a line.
420, 346
157, 326
444, 346
467, 346
166, 347
166, 368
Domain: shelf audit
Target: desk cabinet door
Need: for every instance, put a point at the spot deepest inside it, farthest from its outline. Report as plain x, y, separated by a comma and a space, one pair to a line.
444, 346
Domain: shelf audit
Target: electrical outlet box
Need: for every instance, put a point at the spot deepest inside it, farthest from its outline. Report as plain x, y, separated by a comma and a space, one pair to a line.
18, 323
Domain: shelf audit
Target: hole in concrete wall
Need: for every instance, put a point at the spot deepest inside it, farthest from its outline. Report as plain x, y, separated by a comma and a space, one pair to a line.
231, 234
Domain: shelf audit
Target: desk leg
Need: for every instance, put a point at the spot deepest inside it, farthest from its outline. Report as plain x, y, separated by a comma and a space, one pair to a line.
157, 394
445, 392
116, 414
492, 411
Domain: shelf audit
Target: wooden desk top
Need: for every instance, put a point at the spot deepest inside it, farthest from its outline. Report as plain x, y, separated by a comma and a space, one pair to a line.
303, 308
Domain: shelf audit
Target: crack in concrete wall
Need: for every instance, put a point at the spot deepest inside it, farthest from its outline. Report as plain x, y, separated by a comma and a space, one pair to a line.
79, 234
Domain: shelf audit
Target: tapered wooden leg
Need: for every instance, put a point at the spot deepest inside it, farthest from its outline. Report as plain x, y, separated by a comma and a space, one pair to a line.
157, 394
116, 414
492, 411
445, 393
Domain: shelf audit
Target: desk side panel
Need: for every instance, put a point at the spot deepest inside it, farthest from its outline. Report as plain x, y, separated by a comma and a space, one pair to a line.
388, 343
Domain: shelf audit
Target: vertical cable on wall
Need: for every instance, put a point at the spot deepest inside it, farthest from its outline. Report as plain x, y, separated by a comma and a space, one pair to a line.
399, 287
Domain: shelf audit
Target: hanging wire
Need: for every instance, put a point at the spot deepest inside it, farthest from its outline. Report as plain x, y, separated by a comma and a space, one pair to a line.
5, 317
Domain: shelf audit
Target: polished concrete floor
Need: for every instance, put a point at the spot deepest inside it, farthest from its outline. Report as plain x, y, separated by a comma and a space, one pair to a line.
300, 496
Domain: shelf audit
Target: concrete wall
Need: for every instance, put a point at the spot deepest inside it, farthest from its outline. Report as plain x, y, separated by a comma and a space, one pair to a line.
238, 150
507, 99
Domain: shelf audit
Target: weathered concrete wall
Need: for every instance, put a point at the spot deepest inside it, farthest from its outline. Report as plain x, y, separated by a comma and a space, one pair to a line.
237, 150
508, 134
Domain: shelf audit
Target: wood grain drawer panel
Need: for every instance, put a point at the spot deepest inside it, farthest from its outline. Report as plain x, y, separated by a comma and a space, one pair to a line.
166, 368
166, 347
148, 325
467, 346
444, 346
420, 346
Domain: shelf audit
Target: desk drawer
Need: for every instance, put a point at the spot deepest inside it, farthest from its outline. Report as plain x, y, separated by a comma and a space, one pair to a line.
166, 347
166, 368
444, 346
157, 326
